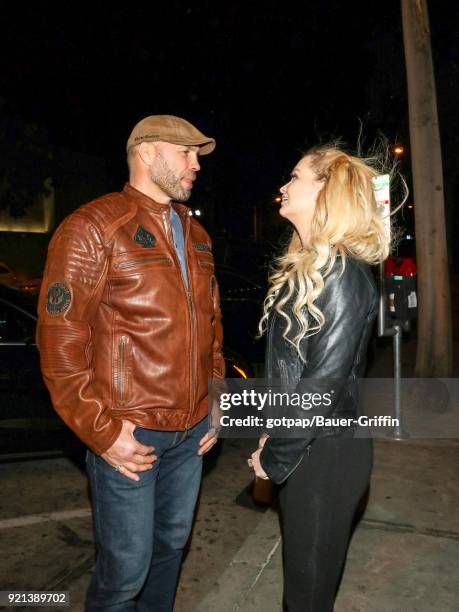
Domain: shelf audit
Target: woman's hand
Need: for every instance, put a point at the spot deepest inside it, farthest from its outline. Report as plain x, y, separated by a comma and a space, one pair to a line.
256, 465
262, 440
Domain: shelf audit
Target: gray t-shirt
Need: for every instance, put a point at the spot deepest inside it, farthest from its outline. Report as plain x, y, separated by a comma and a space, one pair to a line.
179, 242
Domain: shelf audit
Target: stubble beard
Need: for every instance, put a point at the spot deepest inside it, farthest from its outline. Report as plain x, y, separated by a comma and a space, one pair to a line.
162, 175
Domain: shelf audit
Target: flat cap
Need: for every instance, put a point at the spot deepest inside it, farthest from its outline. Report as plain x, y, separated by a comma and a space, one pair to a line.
167, 128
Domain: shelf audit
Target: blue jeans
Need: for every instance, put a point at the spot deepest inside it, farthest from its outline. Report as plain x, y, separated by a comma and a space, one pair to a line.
142, 527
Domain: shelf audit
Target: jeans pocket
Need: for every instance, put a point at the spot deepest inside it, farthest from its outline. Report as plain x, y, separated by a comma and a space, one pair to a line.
89, 457
145, 436
137, 434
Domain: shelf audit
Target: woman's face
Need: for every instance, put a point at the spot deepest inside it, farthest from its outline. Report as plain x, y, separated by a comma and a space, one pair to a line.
299, 197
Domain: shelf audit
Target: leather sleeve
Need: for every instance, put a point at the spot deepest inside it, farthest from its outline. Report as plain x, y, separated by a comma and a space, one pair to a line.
347, 302
71, 291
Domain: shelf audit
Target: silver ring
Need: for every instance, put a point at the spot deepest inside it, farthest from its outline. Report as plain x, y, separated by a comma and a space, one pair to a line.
118, 468
250, 463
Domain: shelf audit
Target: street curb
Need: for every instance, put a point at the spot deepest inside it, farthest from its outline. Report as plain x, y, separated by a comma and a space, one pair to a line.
245, 568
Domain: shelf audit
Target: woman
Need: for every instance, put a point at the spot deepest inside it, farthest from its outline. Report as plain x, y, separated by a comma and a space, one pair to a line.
318, 315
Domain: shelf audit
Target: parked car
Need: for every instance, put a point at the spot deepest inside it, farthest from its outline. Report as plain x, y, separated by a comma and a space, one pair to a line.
31, 285
10, 279
7, 276
28, 423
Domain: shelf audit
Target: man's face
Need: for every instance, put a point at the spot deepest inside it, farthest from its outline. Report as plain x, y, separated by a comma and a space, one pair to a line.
174, 169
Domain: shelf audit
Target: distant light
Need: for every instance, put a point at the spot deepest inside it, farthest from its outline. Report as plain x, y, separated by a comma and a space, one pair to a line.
409, 237
410, 206
190, 212
197, 212
240, 371
278, 199
398, 149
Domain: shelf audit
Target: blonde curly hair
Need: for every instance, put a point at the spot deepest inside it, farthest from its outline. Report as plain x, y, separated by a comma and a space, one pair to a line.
347, 222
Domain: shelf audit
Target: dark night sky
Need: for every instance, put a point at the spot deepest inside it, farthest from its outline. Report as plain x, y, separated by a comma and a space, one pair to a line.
265, 78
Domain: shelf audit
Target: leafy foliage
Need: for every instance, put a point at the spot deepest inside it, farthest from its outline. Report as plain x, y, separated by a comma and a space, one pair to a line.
26, 162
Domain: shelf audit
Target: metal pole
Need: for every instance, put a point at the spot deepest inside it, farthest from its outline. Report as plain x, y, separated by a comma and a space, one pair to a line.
398, 433
396, 332
382, 331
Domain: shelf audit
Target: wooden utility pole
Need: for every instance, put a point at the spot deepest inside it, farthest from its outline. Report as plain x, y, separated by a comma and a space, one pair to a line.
434, 348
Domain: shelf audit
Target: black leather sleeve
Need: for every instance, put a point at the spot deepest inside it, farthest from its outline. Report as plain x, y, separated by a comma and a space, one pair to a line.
348, 303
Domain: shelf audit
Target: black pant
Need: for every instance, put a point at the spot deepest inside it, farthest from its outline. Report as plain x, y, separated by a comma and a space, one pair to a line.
318, 503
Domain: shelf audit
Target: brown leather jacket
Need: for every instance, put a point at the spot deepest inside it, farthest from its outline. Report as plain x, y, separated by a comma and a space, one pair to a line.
120, 336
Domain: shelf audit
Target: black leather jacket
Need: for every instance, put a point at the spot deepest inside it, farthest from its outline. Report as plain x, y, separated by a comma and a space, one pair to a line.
349, 302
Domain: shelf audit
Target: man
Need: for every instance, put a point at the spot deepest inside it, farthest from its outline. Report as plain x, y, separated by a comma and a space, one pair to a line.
129, 335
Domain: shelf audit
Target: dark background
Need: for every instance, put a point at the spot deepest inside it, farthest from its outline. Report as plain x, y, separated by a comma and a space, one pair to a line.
266, 79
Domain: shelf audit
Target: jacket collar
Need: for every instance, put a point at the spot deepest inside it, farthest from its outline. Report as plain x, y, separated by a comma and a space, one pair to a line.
141, 199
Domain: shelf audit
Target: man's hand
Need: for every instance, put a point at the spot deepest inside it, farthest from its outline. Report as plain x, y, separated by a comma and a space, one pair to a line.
207, 441
127, 455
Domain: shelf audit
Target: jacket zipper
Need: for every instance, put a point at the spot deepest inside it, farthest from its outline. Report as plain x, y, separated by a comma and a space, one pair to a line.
122, 372
124, 265
193, 355
194, 333
307, 453
269, 352
190, 311
269, 342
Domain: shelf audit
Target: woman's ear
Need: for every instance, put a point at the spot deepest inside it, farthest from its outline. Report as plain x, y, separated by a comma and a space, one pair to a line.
320, 184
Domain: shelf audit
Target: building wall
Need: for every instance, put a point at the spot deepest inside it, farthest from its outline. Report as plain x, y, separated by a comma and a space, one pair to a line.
82, 178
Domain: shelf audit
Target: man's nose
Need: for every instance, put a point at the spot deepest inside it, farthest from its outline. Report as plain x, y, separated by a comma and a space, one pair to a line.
282, 189
193, 162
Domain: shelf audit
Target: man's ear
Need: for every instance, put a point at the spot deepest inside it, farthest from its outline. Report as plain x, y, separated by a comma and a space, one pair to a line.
147, 152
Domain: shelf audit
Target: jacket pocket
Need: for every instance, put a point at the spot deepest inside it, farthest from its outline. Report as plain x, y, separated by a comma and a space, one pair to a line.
121, 374
133, 264
206, 262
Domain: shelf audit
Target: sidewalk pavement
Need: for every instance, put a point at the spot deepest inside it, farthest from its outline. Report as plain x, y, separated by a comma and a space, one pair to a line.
402, 557
404, 551
403, 554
